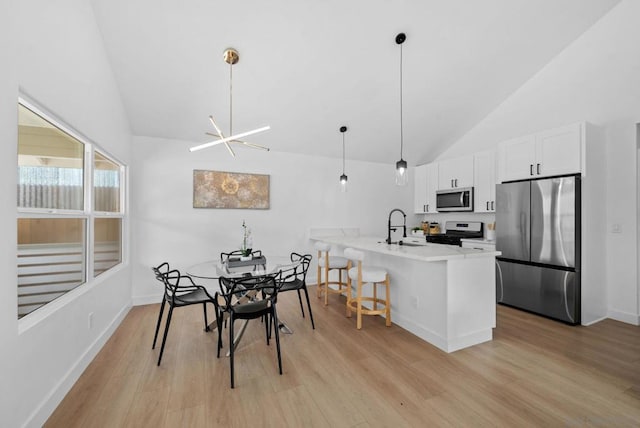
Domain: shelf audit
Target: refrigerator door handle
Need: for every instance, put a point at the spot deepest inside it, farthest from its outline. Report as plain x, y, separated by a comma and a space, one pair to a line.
499, 282
566, 300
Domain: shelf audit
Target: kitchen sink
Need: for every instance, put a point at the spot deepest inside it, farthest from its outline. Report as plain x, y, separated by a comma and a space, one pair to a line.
404, 244
411, 244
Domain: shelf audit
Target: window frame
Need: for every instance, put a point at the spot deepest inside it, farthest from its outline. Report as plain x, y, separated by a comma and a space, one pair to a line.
87, 214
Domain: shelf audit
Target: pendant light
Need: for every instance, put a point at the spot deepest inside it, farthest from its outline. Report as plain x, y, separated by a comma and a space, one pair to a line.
401, 165
343, 177
231, 57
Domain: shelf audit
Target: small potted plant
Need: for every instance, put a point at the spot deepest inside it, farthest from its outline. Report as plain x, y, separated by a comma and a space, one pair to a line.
417, 231
247, 242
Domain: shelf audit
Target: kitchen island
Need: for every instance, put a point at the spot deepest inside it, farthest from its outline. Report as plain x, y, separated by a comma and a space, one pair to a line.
443, 294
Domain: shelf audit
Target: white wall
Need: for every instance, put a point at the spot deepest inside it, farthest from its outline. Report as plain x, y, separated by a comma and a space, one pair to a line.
53, 52
8, 155
304, 194
595, 80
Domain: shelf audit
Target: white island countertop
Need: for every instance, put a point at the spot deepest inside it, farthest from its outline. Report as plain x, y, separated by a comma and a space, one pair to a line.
424, 252
443, 294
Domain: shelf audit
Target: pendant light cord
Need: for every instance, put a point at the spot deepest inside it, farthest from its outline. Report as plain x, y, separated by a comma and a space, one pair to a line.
231, 99
343, 153
401, 126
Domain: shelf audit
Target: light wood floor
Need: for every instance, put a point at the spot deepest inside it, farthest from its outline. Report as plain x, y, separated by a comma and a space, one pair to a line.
535, 372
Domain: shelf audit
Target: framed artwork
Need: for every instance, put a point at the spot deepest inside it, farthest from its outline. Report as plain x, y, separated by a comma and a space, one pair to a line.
234, 190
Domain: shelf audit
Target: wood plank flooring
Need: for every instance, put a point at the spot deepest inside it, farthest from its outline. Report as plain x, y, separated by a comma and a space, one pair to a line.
536, 372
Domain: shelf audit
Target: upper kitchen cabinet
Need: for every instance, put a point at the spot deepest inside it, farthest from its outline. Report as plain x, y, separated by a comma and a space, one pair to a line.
426, 184
457, 172
420, 189
484, 170
554, 152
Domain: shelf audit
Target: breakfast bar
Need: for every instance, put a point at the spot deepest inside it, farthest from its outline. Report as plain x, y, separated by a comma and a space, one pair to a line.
444, 294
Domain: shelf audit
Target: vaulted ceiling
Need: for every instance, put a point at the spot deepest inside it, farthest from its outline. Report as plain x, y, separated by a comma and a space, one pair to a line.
307, 67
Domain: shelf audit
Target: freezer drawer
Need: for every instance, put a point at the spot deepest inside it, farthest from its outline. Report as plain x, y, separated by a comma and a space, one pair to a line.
554, 293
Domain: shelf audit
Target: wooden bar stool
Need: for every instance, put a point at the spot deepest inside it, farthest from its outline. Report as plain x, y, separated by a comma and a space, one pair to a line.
363, 275
327, 264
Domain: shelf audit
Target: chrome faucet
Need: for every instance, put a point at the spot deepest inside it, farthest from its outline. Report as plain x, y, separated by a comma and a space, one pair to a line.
404, 226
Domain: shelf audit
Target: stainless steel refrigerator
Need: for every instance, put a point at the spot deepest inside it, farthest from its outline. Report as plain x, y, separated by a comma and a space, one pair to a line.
538, 232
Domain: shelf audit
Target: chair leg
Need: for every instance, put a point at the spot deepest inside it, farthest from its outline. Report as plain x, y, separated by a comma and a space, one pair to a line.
267, 330
326, 285
375, 296
231, 349
166, 330
349, 297
359, 302
319, 282
275, 321
155, 336
206, 322
300, 300
306, 294
219, 316
388, 305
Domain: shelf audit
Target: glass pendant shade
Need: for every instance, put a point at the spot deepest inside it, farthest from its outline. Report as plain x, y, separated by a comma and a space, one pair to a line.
401, 173
343, 183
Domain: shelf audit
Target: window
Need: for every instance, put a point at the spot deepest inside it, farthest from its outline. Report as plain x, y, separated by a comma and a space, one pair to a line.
50, 165
70, 210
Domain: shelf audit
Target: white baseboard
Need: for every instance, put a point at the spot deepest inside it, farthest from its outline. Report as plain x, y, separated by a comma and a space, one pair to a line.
57, 394
626, 317
149, 299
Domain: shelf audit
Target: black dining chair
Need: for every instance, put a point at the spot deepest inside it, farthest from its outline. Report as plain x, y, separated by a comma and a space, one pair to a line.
179, 291
295, 279
159, 271
248, 298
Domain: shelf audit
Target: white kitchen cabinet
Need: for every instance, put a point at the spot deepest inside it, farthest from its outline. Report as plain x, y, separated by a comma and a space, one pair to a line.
558, 151
457, 172
420, 190
426, 184
544, 154
516, 156
484, 171
432, 186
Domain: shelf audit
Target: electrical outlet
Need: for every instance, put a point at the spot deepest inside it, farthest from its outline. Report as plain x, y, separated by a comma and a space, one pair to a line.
615, 228
415, 302
90, 320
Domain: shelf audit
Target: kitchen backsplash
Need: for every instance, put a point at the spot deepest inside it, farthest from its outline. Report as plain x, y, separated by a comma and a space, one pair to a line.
444, 217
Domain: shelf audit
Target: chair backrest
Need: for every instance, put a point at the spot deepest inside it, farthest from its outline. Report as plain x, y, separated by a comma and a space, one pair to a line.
354, 254
299, 267
161, 270
234, 290
176, 284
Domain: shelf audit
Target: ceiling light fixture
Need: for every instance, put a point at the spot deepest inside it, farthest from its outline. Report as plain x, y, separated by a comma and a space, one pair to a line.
401, 165
231, 57
343, 177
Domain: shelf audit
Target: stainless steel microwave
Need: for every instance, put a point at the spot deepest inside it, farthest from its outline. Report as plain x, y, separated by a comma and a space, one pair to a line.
455, 199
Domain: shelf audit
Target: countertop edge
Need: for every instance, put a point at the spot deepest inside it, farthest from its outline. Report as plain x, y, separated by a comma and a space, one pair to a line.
420, 253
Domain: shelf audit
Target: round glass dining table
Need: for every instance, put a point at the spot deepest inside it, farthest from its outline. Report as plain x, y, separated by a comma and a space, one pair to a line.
215, 269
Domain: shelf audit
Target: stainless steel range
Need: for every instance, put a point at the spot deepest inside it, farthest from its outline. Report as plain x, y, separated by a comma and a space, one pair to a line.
456, 231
